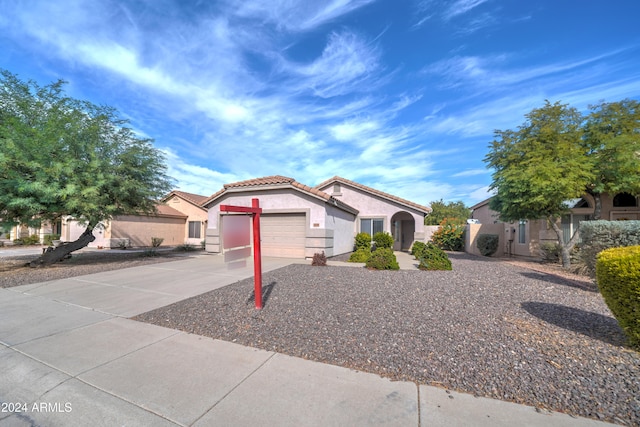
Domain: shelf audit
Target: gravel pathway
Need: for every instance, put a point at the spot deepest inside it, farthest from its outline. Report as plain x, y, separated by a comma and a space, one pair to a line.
488, 327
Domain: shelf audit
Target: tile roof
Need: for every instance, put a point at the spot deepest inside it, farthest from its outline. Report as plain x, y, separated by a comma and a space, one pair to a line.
388, 196
279, 180
196, 199
164, 210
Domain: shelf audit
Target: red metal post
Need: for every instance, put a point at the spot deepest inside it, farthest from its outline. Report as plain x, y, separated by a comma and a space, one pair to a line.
257, 255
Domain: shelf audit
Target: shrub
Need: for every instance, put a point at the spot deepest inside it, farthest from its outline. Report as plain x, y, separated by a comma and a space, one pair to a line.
360, 255
156, 241
434, 258
319, 259
363, 241
186, 248
449, 236
550, 252
597, 236
418, 249
49, 238
383, 240
488, 244
618, 278
383, 259
34, 239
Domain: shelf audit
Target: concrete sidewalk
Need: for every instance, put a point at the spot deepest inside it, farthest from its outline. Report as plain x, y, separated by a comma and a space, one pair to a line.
69, 356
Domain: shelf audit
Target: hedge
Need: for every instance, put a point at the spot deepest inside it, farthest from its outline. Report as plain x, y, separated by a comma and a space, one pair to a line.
599, 235
618, 278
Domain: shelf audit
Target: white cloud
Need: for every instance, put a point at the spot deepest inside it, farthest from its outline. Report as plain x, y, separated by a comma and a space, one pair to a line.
461, 7
470, 172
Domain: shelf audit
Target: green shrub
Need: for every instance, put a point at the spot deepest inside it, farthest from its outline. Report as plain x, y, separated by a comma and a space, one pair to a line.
597, 236
319, 259
360, 255
618, 278
449, 236
186, 248
550, 252
383, 240
156, 241
49, 238
383, 259
418, 249
488, 244
34, 239
434, 258
363, 241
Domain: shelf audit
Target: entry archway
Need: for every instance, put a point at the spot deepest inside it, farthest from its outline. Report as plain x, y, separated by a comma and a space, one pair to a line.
403, 227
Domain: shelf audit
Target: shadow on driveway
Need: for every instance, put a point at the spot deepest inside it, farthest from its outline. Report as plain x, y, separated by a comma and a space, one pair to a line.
594, 325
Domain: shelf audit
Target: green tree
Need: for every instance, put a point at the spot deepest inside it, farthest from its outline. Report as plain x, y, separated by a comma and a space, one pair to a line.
540, 166
455, 212
61, 156
612, 139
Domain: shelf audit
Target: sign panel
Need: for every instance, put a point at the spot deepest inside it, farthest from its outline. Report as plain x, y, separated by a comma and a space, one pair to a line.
236, 231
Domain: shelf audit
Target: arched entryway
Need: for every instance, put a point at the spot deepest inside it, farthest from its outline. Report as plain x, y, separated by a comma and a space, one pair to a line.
403, 228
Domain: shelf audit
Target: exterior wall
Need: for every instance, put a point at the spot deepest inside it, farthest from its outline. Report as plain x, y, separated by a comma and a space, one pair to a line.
428, 232
193, 213
372, 206
483, 214
473, 231
140, 229
341, 223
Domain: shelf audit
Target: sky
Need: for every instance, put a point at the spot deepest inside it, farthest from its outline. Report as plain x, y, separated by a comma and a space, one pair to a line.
400, 95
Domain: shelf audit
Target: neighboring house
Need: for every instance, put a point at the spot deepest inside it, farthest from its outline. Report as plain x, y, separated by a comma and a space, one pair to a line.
180, 220
46, 228
523, 238
191, 205
298, 221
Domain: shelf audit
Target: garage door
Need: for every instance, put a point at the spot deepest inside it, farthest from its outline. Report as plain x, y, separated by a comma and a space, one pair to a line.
283, 235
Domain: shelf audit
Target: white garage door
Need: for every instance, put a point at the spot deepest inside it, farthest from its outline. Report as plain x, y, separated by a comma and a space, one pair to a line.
283, 235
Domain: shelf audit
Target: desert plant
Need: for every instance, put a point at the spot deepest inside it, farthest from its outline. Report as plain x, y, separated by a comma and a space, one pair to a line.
434, 258
150, 252
49, 238
488, 244
203, 245
122, 244
449, 236
360, 255
186, 248
550, 252
383, 240
156, 241
363, 241
319, 259
417, 249
383, 259
34, 239
618, 278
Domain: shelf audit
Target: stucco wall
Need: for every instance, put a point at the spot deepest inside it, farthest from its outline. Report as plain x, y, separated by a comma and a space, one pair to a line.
473, 231
343, 231
140, 229
193, 213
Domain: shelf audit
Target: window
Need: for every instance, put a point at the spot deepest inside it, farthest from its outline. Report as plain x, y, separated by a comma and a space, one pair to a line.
522, 237
569, 224
194, 229
624, 200
371, 225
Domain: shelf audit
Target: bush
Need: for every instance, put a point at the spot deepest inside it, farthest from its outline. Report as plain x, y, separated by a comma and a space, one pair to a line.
34, 239
186, 248
383, 259
156, 241
597, 236
488, 244
319, 259
418, 249
383, 240
49, 238
434, 258
449, 236
550, 252
618, 278
363, 241
360, 255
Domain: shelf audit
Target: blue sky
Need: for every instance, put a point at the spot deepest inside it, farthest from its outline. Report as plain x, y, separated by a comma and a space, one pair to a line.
400, 95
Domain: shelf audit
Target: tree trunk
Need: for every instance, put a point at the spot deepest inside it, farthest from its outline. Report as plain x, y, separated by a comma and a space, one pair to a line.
565, 249
597, 209
53, 255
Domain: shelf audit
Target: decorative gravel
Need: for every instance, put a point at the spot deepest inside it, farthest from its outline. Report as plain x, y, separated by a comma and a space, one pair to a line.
487, 328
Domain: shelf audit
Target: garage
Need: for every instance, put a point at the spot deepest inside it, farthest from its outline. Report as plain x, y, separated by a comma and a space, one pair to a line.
283, 234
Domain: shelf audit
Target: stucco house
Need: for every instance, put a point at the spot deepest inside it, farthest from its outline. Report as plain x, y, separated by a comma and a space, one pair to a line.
298, 220
523, 238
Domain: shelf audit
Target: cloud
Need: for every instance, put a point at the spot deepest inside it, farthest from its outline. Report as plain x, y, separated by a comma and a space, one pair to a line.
470, 172
461, 7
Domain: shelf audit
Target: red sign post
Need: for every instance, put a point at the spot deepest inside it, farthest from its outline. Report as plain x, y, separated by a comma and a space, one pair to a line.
255, 212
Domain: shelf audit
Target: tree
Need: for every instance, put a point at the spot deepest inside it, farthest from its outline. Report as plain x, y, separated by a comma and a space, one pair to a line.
612, 140
540, 166
61, 156
455, 212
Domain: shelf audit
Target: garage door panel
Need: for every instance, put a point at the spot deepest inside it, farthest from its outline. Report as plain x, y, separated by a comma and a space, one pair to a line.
283, 235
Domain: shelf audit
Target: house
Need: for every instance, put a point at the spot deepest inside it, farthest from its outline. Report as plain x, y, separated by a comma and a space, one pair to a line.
298, 221
180, 219
523, 238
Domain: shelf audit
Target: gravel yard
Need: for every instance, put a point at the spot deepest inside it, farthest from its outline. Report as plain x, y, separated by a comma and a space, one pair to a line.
488, 327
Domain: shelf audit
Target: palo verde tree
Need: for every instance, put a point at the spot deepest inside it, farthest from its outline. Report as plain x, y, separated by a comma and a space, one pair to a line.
540, 166
455, 212
612, 140
62, 156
